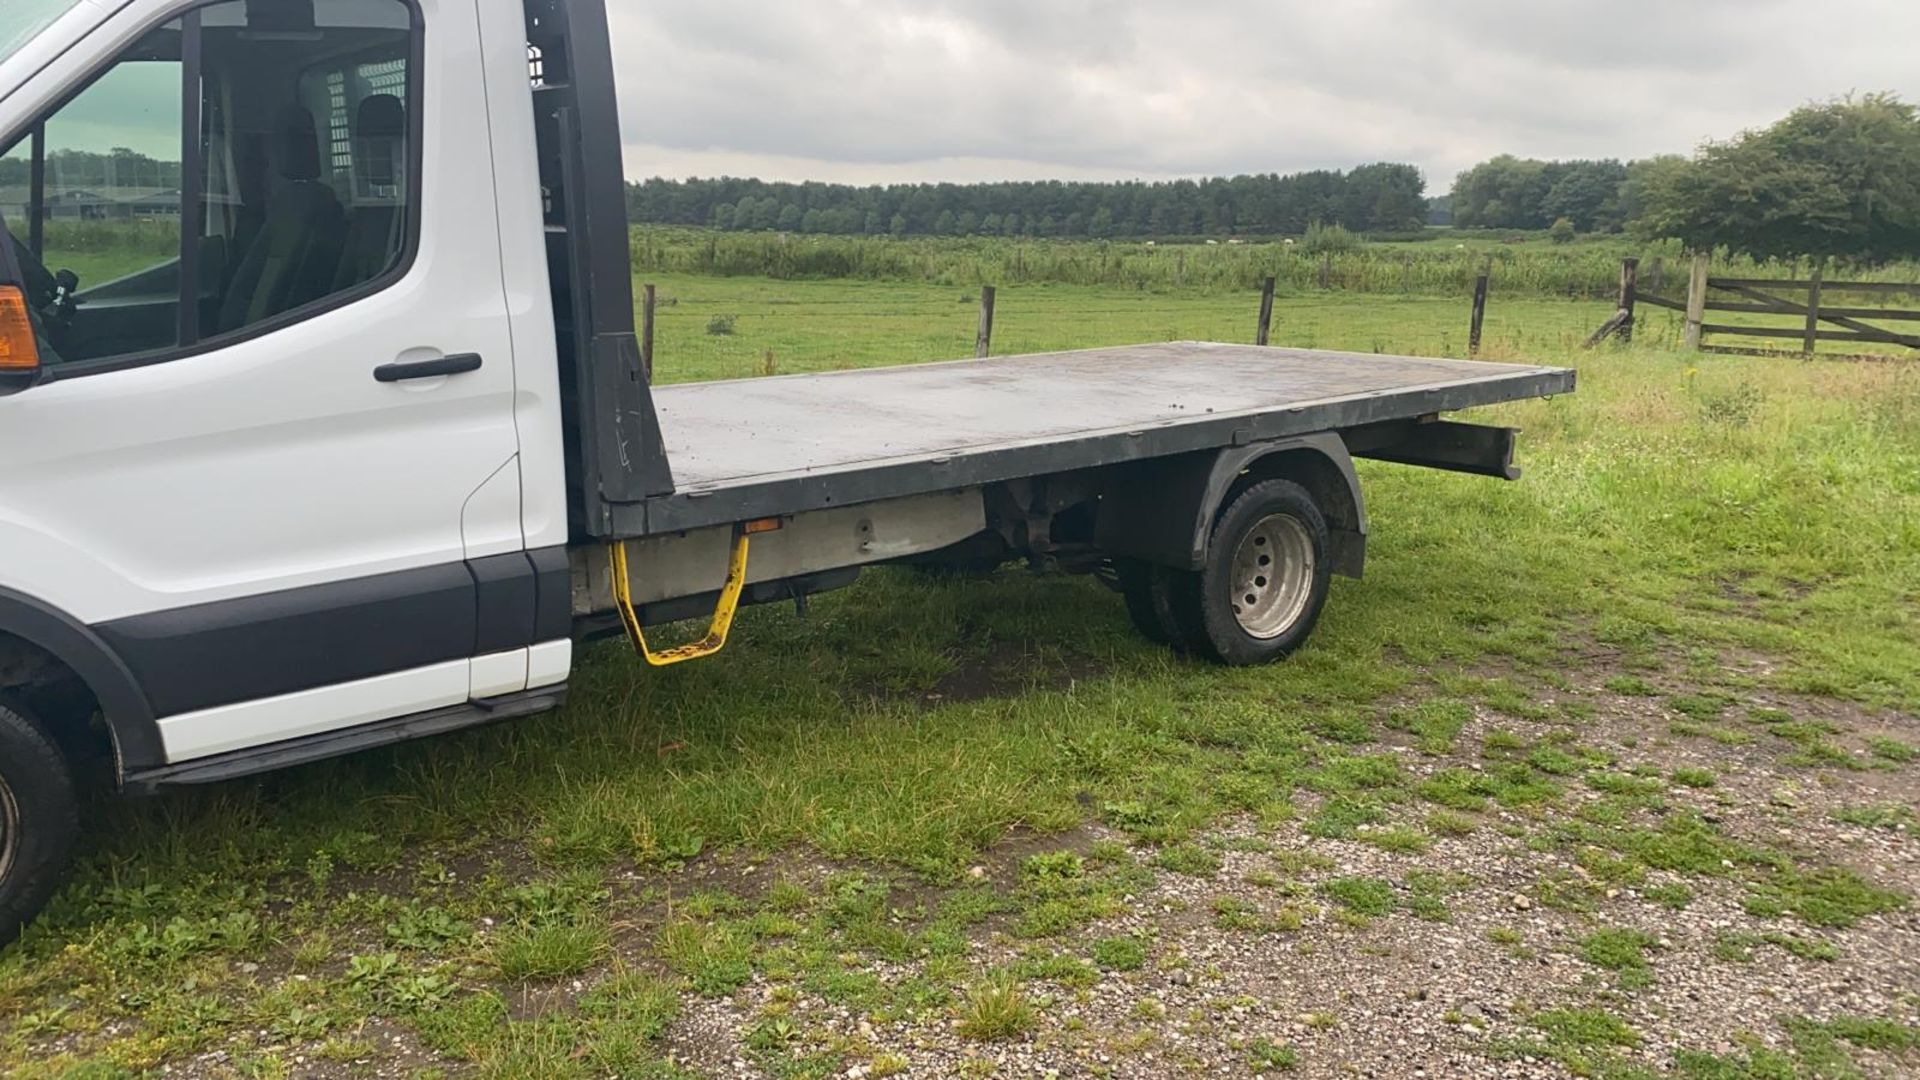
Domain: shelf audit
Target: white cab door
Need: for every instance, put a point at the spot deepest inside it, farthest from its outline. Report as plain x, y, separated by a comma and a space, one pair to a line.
263, 497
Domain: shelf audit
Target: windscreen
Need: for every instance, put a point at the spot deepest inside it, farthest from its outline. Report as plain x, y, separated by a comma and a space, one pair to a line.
25, 18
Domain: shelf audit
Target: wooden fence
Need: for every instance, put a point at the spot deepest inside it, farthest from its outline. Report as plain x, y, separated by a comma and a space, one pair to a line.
1808, 301
1704, 295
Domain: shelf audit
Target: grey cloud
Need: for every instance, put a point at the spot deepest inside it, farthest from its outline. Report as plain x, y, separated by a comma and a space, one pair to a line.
1158, 87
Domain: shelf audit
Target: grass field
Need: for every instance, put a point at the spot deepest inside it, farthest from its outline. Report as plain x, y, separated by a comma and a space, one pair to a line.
1666, 683
826, 325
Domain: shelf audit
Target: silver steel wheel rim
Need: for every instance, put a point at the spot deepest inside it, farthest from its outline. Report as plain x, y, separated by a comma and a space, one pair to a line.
1272, 577
9, 829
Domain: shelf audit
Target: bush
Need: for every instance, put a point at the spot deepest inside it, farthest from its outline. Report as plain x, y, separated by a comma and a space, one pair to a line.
1329, 240
721, 325
1562, 232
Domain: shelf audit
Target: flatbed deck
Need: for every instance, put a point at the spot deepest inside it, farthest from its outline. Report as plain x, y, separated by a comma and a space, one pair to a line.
761, 447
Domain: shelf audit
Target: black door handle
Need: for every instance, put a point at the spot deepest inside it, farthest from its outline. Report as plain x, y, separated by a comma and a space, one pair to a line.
457, 364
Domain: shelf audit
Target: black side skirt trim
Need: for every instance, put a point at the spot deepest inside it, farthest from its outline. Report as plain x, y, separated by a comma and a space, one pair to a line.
263, 759
553, 581
504, 598
267, 646
255, 647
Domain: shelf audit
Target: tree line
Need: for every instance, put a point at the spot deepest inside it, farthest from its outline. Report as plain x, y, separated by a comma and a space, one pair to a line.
1836, 179
73, 169
1379, 198
1509, 192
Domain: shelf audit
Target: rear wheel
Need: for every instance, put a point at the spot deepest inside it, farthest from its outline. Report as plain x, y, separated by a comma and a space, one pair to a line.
1266, 577
39, 819
1159, 602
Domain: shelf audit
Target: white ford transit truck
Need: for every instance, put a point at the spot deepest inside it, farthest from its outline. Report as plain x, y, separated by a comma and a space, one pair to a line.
323, 422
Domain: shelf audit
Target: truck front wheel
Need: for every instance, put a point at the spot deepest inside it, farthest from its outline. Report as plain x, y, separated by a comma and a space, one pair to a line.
39, 819
1266, 576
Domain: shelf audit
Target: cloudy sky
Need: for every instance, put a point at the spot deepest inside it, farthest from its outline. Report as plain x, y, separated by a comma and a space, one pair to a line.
867, 91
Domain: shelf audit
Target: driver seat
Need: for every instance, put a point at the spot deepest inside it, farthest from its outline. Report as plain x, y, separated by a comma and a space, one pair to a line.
292, 259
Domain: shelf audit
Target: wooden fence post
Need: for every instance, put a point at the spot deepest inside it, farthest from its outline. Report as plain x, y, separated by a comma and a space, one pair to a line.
1266, 312
1621, 321
983, 342
646, 335
1479, 314
1629, 296
1814, 287
1697, 299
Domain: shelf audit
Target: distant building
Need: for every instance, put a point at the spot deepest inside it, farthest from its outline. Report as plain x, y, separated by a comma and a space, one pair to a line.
79, 204
94, 204
149, 202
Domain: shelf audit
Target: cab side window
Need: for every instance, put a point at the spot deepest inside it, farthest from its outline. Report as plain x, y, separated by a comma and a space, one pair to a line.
244, 165
94, 192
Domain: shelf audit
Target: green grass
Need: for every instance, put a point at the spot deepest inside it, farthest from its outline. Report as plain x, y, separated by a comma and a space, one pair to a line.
1445, 262
714, 958
833, 325
1877, 816
1621, 951
548, 952
1361, 895
996, 1009
1442, 261
537, 851
1434, 723
1585, 1028
1265, 1054
1671, 895
1189, 859
1695, 777
1833, 897
1120, 953
1587, 1041
1816, 1050
1893, 750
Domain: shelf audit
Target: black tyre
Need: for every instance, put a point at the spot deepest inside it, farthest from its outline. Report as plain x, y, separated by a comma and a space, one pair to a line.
1163, 603
1146, 601
1266, 579
39, 818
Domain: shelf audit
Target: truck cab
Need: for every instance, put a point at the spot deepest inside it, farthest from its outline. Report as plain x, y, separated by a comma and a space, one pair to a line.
289, 458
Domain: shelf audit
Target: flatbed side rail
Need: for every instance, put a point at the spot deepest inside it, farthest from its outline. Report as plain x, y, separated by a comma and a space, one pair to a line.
792, 492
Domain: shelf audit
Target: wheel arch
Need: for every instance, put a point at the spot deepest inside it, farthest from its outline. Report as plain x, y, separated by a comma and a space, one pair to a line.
1162, 511
33, 626
1324, 468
